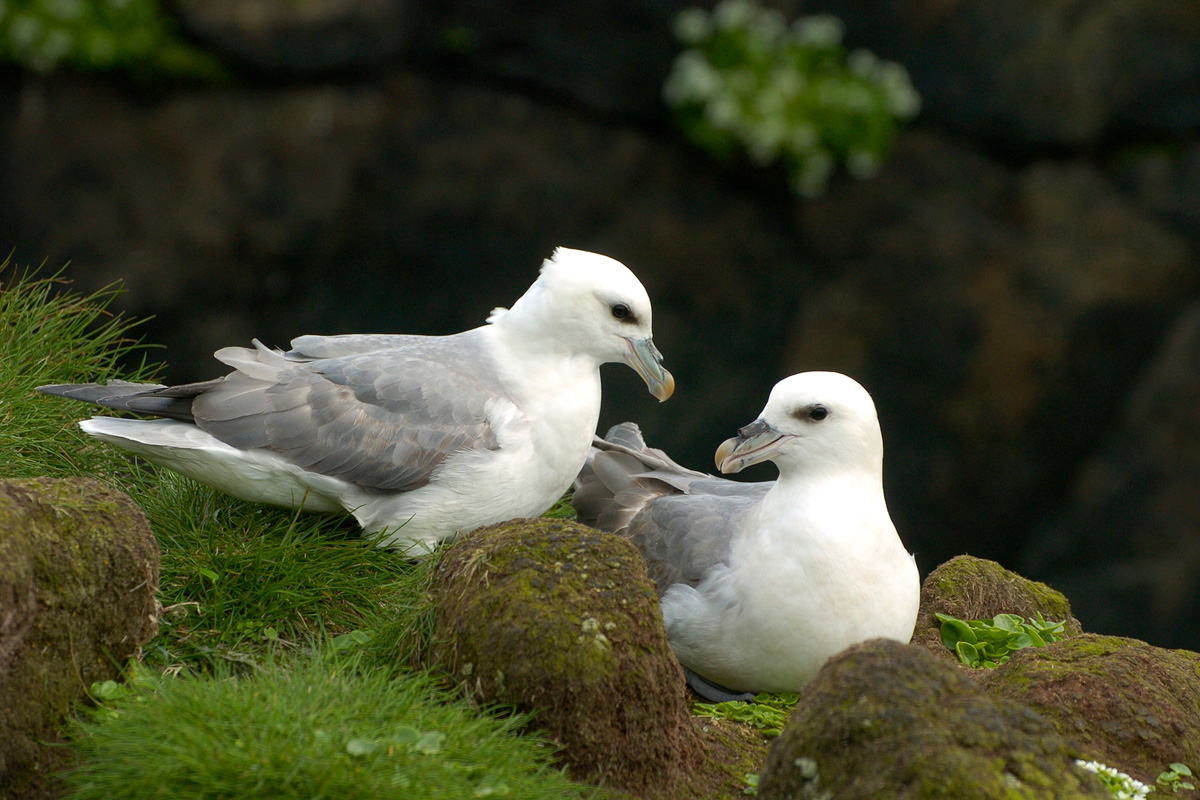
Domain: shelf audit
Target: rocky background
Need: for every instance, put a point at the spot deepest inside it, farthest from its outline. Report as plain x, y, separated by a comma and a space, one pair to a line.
1017, 288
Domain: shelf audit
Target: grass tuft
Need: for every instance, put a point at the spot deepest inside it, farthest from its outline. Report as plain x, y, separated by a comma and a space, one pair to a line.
49, 334
325, 727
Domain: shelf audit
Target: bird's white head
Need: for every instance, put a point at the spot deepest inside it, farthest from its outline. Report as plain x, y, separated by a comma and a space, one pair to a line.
587, 304
821, 421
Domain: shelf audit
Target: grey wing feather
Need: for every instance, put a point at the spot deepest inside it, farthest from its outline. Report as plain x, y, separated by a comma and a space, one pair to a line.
382, 419
681, 520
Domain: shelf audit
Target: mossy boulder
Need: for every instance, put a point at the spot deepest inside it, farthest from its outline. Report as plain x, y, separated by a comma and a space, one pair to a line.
975, 588
885, 719
78, 574
1128, 704
563, 620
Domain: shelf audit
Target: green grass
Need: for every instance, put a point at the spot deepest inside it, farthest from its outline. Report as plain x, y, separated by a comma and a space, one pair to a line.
324, 727
51, 335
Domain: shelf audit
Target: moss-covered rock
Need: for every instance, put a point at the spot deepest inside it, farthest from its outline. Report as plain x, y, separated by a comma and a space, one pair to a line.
78, 573
558, 618
884, 719
1130, 705
975, 588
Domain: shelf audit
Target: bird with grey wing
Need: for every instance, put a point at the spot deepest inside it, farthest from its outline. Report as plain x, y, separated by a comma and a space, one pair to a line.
419, 437
760, 583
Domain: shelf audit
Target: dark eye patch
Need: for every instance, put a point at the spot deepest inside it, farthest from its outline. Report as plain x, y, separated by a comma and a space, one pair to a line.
816, 412
623, 312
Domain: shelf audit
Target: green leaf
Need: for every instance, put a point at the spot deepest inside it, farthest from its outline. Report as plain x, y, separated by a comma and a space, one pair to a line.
430, 743
967, 653
107, 690
361, 747
354, 638
1007, 622
955, 631
405, 735
1181, 769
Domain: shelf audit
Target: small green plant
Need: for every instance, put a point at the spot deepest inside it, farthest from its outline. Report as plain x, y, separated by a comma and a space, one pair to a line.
1122, 786
768, 712
792, 95
988, 643
751, 781
96, 35
1173, 777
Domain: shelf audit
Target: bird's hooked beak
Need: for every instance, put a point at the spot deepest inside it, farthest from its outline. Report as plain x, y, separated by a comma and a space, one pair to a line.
756, 442
646, 361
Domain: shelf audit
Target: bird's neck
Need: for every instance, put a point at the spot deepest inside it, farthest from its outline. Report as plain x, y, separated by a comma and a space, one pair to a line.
551, 380
821, 506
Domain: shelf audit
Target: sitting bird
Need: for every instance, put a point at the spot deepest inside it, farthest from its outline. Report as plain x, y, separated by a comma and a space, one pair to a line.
760, 583
419, 437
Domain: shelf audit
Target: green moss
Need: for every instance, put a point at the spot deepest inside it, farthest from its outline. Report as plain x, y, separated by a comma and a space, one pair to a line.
78, 570
884, 719
1130, 705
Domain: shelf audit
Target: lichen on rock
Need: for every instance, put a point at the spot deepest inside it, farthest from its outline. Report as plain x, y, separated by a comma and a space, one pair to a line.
884, 719
557, 618
78, 575
1129, 705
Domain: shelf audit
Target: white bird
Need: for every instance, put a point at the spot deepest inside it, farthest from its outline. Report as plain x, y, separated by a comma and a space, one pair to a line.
760, 583
419, 437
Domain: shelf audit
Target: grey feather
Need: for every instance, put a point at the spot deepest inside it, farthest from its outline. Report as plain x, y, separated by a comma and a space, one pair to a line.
681, 520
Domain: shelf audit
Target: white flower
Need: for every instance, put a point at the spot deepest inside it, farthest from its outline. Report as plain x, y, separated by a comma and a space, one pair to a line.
24, 30
723, 112
1122, 786
902, 98
862, 62
763, 139
768, 25
788, 82
693, 25
818, 30
732, 14
692, 78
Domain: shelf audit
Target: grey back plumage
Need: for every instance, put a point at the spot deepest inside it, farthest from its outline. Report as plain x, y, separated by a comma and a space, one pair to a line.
681, 520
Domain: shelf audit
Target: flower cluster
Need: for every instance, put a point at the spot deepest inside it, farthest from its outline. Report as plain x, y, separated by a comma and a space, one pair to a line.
44, 35
791, 94
1121, 785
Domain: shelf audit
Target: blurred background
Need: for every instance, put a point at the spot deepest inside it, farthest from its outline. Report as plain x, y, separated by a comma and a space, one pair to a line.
987, 213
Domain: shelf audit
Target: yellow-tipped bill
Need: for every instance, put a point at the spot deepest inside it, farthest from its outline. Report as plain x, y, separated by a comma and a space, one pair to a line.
756, 442
646, 361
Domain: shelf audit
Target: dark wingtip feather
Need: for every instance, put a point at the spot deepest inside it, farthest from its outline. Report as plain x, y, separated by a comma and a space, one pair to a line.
140, 398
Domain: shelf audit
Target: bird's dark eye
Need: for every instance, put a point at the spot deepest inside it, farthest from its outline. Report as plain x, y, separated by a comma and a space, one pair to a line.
620, 310
818, 413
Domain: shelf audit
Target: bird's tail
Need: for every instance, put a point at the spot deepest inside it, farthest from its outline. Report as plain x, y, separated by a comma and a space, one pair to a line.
153, 399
